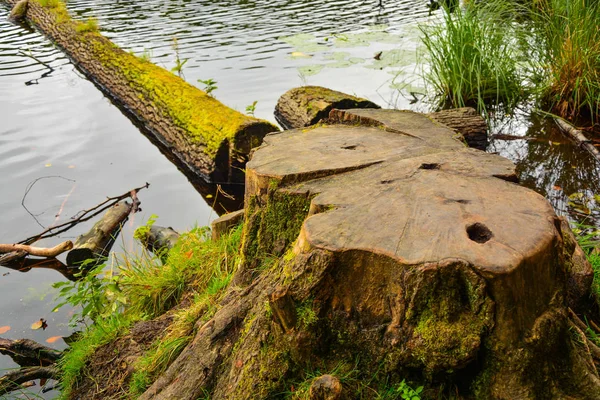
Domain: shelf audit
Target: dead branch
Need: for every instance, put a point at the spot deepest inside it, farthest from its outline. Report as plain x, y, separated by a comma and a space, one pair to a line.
82, 216
28, 353
94, 246
12, 381
578, 136
37, 251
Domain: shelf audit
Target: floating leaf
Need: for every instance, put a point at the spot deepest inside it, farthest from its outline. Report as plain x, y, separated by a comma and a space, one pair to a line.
309, 70
299, 54
48, 165
71, 166
4, 329
556, 187
39, 324
53, 339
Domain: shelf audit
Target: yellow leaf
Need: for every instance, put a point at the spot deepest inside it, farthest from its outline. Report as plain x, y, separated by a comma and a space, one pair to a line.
48, 165
39, 324
4, 329
71, 166
300, 54
53, 339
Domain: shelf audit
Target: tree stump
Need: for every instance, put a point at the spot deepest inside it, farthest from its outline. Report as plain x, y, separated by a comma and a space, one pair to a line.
401, 248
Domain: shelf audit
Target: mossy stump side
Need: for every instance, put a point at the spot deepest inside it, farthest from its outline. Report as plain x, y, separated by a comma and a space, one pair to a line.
392, 248
208, 139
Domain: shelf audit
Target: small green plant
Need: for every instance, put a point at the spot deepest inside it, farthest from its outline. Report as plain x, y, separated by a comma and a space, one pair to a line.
210, 85
146, 55
90, 25
96, 293
142, 232
178, 68
408, 393
251, 108
306, 314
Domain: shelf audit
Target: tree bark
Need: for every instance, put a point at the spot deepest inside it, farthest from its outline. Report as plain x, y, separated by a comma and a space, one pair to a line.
93, 246
402, 248
467, 122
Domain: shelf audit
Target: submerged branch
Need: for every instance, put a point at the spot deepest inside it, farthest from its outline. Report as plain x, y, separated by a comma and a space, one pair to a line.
12, 381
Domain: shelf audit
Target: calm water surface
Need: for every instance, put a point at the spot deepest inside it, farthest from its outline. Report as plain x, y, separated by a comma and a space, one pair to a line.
60, 126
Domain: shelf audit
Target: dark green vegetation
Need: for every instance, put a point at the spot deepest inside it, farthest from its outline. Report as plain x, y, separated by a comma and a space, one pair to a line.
188, 286
501, 52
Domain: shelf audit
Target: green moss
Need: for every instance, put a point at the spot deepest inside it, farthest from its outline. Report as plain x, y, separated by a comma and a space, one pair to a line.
273, 228
90, 25
306, 314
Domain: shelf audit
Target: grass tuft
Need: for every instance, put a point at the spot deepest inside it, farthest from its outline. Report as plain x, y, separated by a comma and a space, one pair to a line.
471, 61
90, 25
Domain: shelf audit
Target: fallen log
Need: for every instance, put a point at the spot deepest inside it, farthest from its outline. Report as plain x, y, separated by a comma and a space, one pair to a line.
94, 246
578, 137
400, 247
26, 352
37, 251
203, 137
13, 380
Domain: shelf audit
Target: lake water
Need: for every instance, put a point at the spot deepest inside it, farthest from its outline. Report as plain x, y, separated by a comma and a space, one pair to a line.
61, 128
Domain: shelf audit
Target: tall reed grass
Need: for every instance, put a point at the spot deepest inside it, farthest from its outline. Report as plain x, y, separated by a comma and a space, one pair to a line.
502, 52
472, 61
570, 33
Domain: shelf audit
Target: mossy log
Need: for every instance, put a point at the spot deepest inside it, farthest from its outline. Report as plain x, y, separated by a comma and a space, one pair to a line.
93, 247
202, 136
398, 247
307, 105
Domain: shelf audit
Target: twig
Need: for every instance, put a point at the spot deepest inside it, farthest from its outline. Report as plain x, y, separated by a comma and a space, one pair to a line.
81, 216
28, 189
37, 251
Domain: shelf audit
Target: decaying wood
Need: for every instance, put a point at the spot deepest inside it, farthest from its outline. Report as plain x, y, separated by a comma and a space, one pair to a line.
400, 246
307, 105
37, 251
13, 380
468, 122
159, 240
94, 246
225, 223
283, 308
577, 136
27, 353
82, 216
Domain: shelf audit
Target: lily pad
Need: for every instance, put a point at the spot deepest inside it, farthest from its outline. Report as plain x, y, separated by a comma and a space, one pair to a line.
309, 70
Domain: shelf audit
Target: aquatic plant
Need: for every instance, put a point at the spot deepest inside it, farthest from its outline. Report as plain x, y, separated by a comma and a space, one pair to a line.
569, 36
251, 108
472, 60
